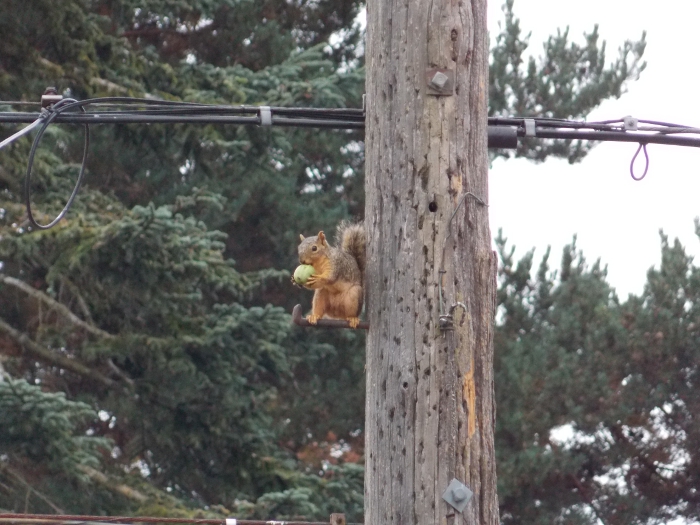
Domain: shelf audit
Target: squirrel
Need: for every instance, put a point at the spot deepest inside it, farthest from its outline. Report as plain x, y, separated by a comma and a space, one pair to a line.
338, 273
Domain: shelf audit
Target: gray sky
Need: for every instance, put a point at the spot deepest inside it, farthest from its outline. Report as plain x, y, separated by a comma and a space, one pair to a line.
615, 218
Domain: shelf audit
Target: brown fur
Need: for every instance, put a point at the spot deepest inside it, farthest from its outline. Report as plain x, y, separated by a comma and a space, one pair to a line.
337, 280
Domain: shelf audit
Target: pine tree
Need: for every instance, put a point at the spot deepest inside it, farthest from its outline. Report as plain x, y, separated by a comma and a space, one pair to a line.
596, 397
40, 433
568, 81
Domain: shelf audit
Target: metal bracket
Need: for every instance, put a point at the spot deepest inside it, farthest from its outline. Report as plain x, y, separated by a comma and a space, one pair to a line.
457, 495
440, 81
50, 97
447, 321
337, 519
299, 320
630, 123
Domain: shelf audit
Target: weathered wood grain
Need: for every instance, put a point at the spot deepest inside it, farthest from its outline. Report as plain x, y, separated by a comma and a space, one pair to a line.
430, 402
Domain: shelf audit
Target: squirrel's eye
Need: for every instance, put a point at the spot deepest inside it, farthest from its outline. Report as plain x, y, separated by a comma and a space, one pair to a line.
314, 248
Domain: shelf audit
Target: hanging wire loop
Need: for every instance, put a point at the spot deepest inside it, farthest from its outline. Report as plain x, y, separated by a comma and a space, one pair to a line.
642, 146
55, 110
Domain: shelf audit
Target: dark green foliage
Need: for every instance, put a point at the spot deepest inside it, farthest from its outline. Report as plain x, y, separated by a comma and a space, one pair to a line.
197, 355
44, 428
619, 378
313, 495
332, 368
201, 367
42, 435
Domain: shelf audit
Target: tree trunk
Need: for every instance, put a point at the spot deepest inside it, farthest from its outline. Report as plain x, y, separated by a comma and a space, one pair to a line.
430, 402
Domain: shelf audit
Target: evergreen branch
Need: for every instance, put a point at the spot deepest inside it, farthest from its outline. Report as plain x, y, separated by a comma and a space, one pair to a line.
53, 68
149, 31
114, 368
54, 305
47, 356
110, 86
119, 488
582, 490
81, 302
586, 497
17, 476
617, 433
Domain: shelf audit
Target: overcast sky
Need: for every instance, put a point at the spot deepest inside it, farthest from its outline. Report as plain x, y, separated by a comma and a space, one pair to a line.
615, 218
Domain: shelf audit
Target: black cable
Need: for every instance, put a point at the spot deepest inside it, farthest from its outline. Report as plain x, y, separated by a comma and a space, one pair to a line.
188, 112
566, 131
503, 132
183, 108
617, 136
657, 123
164, 112
18, 103
53, 113
136, 118
177, 112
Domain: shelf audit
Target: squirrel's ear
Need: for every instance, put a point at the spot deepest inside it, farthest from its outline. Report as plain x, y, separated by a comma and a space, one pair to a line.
321, 237
301, 237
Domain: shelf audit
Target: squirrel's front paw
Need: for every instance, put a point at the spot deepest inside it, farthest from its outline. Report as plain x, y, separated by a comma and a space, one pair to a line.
354, 322
311, 281
312, 319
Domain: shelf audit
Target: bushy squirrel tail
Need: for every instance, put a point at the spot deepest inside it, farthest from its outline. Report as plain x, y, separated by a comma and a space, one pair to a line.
352, 240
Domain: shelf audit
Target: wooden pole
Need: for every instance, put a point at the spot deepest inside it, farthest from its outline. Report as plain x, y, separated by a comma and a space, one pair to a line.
430, 403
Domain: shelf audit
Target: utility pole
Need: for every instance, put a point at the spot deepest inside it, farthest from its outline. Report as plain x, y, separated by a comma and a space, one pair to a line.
430, 411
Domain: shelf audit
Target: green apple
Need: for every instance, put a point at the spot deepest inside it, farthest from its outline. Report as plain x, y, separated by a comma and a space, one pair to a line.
302, 273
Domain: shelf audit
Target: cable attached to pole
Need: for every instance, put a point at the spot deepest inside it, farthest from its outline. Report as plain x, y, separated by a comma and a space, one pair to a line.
503, 132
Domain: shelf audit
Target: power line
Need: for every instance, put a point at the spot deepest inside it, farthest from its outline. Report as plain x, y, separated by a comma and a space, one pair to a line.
503, 132
69, 519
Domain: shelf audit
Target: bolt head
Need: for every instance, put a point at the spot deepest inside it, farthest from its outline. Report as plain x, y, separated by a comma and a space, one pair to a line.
445, 321
459, 494
439, 80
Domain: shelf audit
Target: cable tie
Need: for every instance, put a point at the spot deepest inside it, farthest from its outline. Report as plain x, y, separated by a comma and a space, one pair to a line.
265, 116
630, 123
530, 127
231, 521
